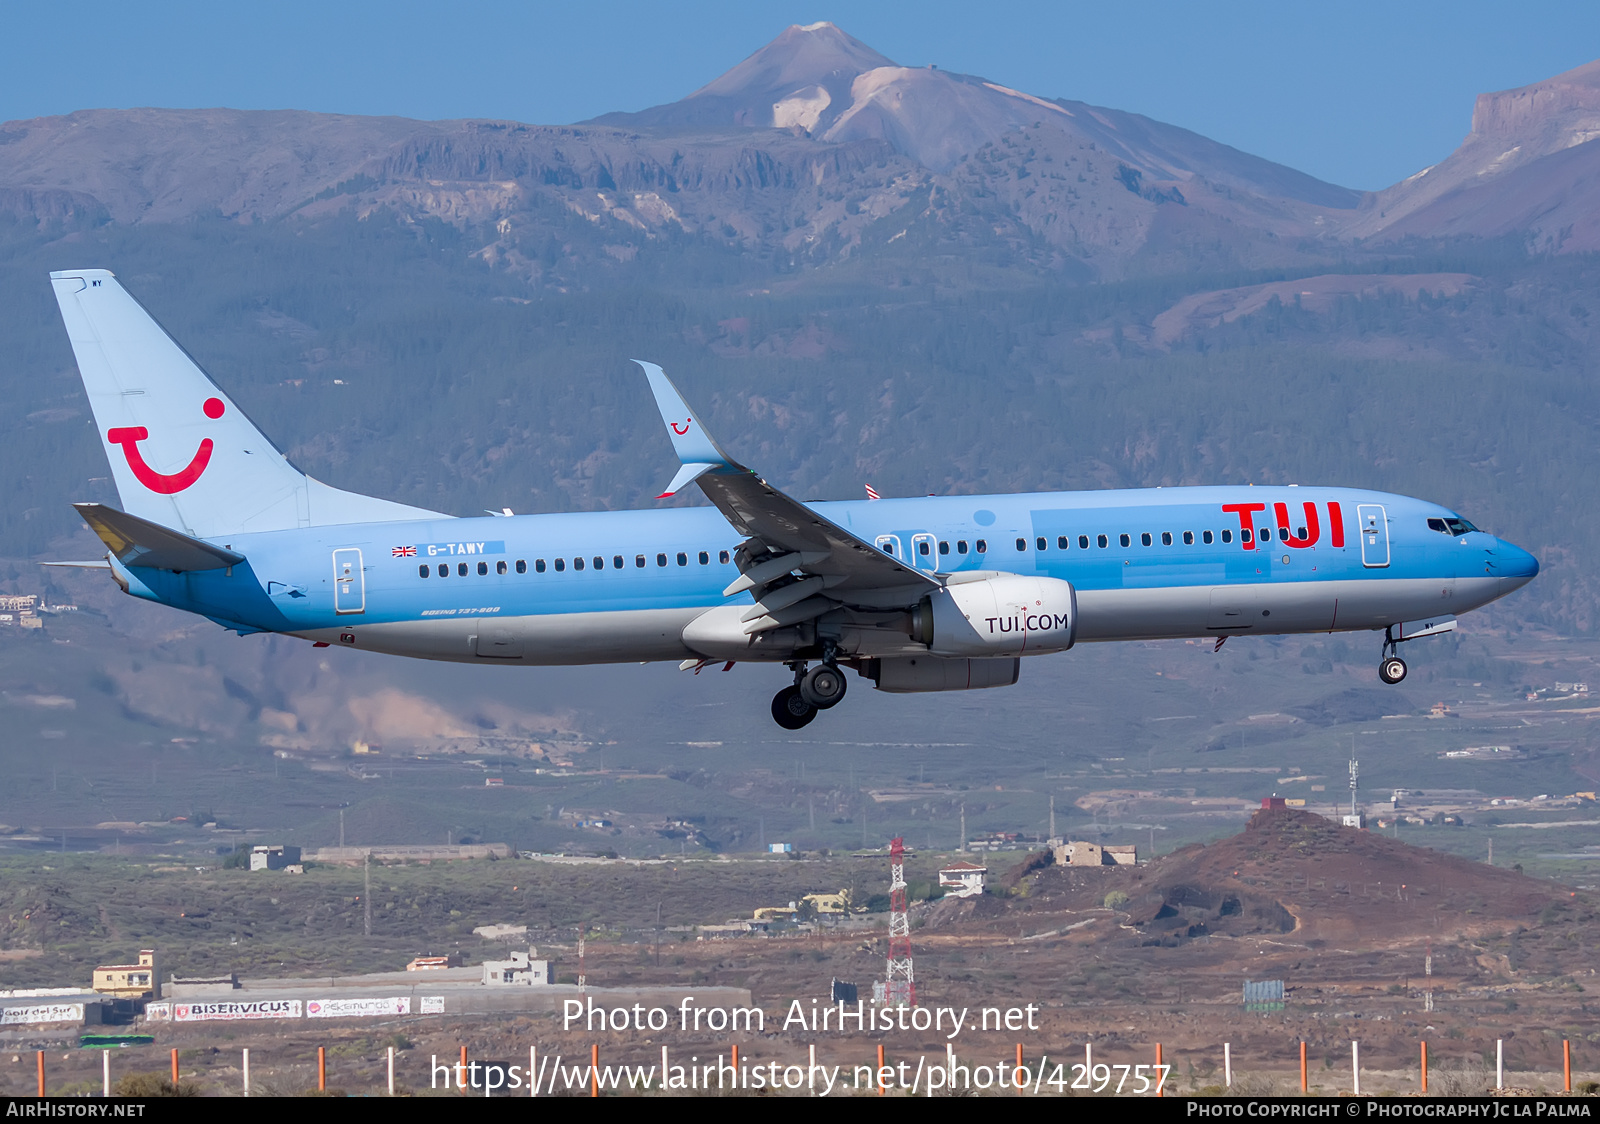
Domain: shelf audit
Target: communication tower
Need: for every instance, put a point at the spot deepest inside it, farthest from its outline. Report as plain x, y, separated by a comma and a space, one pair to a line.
900, 986
1355, 771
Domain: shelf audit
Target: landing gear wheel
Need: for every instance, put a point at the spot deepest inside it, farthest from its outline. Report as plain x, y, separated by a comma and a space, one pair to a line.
791, 711
1392, 669
823, 686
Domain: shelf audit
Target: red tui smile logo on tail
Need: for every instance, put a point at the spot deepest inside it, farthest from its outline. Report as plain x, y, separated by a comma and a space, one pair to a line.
166, 484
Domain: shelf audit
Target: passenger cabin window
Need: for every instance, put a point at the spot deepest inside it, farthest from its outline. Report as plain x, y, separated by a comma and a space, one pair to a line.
1227, 536
422, 571
1062, 542
461, 569
1144, 539
599, 563
522, 566
638, 561
982, 546
1041, 542
577, 563
722, 557
661, 560
1083, 542
1166, 538
1244, 535
1022, 544
961, 546
922, 547
683, 559
1283, 534
1205, 537
1124, 540
500, 567
705, 559
483, 569
538, 565
616, 562
944, 547
1188, 538
1102, 542
444, 571
561, 564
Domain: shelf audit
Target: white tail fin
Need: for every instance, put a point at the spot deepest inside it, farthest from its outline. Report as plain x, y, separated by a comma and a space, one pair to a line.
182, 454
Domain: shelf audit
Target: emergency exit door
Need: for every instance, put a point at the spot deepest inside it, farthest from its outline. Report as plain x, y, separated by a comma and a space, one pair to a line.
1374, 534
349, 583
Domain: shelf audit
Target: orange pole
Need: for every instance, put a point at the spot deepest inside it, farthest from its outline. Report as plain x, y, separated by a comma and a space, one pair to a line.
1566, 1063
1424, 1065
1160, 1088
322, 1069
735, 1055
879, 1073
1303, 1086
461, 1074
1022, 1090
594, 1070
41, 1073
174, 1067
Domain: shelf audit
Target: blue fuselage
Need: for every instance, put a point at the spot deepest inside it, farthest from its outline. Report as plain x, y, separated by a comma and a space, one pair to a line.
1152, 562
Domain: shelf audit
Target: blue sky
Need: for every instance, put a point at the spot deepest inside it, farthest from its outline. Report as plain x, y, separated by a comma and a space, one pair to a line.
1357, 92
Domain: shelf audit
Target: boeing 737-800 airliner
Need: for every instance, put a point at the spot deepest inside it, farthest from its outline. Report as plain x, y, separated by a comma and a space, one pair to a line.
941, 593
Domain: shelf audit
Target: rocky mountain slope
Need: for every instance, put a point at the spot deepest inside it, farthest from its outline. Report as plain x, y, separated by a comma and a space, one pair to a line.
792, 154
813, 150
1528, 168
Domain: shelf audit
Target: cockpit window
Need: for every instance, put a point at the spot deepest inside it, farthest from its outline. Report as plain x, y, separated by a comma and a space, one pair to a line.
1453, 526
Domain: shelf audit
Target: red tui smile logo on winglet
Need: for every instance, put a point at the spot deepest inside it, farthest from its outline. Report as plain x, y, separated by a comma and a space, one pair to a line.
166, 484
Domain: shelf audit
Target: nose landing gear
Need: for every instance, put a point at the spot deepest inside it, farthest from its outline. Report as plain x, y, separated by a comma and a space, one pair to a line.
818, 689
1391, 668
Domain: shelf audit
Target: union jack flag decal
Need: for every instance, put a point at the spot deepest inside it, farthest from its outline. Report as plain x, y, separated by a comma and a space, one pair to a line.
404, 552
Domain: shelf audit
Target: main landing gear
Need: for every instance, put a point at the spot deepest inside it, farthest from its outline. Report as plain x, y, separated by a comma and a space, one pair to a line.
1391, 668
818, 689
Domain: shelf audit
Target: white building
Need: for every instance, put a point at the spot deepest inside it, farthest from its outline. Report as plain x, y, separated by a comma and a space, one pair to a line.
274, 857
962, 880
520, 970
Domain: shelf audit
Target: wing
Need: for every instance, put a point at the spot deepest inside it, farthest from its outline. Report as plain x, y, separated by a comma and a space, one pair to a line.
799, 563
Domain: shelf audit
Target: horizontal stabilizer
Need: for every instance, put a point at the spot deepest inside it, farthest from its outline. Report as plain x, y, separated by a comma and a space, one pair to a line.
139, 542
87, 564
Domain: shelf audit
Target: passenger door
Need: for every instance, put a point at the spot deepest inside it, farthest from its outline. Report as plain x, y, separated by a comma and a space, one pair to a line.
925, 552
349, 582
1374, 535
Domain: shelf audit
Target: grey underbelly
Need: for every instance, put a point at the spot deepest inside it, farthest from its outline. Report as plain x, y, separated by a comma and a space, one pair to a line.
1104, 615
551, 639
1274, 608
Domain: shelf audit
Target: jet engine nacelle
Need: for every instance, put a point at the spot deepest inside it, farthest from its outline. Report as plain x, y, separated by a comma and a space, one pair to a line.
1003, 615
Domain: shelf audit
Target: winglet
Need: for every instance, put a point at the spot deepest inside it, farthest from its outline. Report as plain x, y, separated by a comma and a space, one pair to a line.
695, 447
686, 475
